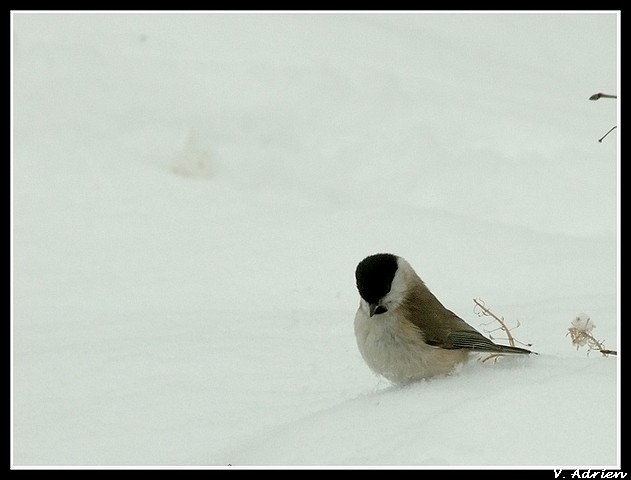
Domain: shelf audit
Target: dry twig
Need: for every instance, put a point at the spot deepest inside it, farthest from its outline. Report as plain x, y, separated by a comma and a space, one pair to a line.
484, 311
581, 334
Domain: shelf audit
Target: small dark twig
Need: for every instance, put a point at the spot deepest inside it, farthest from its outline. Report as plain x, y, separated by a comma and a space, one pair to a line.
610, 130
596, 96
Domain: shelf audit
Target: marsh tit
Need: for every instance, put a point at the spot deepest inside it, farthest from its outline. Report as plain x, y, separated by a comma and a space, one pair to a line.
403, 332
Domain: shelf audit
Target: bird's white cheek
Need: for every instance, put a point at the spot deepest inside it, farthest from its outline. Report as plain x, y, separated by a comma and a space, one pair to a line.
398, 288
363, 307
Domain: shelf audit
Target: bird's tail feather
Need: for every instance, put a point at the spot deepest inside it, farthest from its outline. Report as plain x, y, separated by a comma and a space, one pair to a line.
509, 349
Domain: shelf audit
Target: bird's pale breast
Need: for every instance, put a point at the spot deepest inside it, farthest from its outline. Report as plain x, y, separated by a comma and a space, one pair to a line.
396, 349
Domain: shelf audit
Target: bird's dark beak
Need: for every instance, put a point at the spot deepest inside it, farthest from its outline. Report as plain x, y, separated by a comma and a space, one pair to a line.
376, 309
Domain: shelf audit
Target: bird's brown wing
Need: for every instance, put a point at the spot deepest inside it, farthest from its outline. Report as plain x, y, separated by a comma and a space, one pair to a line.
458, 334
451, 332
478, 342
470, 341
442, 328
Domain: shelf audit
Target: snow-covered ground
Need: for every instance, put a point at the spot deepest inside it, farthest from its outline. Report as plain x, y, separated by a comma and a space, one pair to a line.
191, 193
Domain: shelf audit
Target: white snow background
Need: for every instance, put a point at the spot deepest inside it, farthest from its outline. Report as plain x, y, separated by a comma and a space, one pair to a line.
191, 194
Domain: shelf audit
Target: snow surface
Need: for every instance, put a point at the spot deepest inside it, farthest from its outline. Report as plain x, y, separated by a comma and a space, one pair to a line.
191, 193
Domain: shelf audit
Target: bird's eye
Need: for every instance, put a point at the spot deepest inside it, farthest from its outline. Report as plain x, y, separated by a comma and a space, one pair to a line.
380, 309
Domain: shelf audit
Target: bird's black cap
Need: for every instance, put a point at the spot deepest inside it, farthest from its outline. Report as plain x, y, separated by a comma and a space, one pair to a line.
374, 275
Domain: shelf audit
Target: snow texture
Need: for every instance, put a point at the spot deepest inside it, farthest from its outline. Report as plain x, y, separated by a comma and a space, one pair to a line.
191, 193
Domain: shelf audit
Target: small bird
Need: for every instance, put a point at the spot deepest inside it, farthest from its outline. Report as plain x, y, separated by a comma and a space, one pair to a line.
403, 332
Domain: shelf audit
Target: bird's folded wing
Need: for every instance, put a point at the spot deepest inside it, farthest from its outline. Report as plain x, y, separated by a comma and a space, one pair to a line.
470, 340
475, 341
